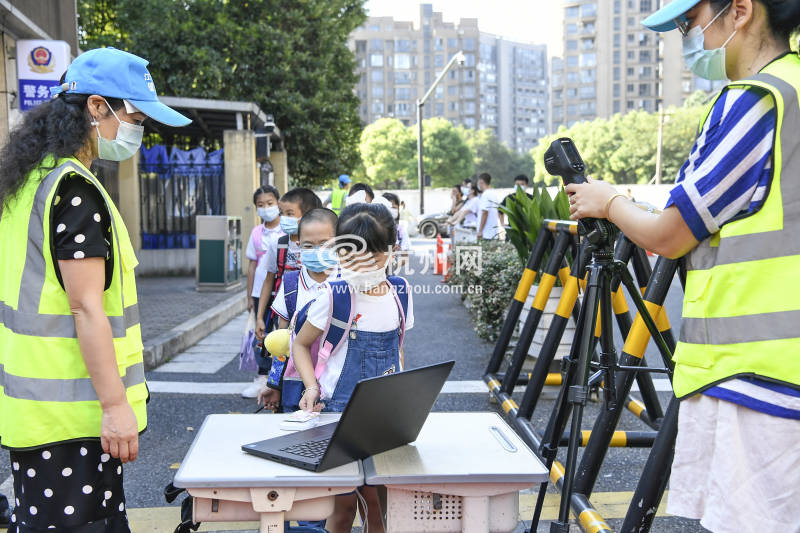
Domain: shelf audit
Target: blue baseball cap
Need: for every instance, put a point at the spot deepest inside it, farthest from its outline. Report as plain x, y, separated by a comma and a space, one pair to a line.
344, 178
116, 74
664, 19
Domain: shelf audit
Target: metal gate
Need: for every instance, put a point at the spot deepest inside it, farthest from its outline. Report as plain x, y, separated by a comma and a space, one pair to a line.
176, 185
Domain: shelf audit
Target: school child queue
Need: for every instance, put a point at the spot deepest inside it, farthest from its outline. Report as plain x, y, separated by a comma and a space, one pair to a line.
325, 278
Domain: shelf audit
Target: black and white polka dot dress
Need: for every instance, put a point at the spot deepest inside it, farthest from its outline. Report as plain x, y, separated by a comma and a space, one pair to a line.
81, 225
72, 487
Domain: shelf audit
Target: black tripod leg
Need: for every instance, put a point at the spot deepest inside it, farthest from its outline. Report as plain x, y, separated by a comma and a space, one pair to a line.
578, 390
562, 408
655, 475
632, 355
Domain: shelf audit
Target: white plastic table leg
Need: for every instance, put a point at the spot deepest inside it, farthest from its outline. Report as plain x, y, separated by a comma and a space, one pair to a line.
475, 512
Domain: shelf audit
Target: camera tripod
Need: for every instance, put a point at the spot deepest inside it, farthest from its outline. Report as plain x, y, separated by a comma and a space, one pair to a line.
604, 274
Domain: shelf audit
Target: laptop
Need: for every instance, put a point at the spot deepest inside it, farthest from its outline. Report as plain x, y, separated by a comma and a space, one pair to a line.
384, 412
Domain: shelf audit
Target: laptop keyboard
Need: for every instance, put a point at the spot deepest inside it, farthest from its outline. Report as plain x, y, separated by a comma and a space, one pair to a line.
314, 449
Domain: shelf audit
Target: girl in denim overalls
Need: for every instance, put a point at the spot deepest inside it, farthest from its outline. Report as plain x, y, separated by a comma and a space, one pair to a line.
366, 234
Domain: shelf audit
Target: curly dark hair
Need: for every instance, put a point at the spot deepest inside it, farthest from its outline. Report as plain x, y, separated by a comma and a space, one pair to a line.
58, 127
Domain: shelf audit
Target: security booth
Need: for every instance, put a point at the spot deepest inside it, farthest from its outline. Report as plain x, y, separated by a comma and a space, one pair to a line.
209, 168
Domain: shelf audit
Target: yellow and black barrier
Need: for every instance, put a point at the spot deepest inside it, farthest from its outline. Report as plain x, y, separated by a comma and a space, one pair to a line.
604, 433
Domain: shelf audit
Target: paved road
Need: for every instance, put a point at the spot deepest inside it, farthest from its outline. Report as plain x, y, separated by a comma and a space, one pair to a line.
206, 380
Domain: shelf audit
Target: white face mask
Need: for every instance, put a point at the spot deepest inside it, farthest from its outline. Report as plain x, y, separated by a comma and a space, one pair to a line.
393, 211
126, 143
707, 64
268, 214
364, 281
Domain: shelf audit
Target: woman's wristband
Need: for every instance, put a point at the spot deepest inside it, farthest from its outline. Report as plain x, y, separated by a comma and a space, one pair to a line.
608, 203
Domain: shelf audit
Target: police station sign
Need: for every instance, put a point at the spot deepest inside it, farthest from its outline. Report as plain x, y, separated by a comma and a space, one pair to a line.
40, 65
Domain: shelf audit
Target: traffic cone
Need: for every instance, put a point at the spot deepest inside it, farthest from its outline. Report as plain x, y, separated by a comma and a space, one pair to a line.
437, 260
448, 264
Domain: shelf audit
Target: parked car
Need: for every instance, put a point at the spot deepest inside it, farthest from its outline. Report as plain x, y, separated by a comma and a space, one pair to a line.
434, 224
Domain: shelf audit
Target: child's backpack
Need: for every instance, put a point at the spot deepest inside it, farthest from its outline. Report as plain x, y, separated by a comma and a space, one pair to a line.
342, 304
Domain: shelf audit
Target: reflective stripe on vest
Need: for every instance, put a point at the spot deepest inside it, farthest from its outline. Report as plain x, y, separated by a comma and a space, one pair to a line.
46, 393
741, 313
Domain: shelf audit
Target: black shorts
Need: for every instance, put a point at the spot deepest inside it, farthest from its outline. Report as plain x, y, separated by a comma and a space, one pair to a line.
69, 488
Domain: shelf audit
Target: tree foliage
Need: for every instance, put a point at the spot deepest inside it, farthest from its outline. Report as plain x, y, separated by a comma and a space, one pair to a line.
447, 157
492, 156
291, 58
623, 148
387, 150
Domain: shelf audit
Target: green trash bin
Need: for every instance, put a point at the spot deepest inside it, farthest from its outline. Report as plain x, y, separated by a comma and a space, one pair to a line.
219, 252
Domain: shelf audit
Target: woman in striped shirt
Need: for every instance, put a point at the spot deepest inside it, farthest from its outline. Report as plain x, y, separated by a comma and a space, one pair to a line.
737, 458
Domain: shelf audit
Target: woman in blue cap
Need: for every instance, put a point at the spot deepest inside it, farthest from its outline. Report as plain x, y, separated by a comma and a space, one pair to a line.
735, 212
72, 388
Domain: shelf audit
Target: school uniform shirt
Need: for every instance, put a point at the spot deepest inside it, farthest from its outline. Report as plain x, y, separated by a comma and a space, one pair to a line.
488, 202
378, 314
727, 175
307, 290
292, 256
257, 244
403, 242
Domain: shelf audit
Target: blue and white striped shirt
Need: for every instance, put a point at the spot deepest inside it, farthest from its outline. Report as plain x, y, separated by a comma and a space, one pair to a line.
728, 174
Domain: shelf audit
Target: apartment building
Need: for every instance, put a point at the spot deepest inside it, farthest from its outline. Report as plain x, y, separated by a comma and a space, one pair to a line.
502, 84
613, 64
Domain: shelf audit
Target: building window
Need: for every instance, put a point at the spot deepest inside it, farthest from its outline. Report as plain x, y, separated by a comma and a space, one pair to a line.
631, 87
572, 61
617, 24
402, 61
438, 60
588, 60
439, 92
452, 42
469, 91
377, 91
617, 43
469, 44
452, 90
439, 108
572, 29
469, 107
376, 44
616, 90
616, 57
631, 55
616, 74
376, 60
587, 91
469, 122
630, 71
439, 44
376, 76
572, 93
402, 45
452, 106
377, 106
572, 12
402, 93
644, 89
402, 109
630, 104
572, 44
572, 77
644, 56
402, 77
572, 109
616, 106
469, 60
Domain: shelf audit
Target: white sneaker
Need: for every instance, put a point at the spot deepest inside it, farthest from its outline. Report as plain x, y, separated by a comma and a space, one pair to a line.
251, 391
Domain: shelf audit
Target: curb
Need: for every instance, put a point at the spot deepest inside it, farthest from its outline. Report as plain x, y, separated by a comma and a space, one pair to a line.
182, 336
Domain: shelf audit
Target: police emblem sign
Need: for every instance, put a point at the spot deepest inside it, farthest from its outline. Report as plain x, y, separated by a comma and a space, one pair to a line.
40, 65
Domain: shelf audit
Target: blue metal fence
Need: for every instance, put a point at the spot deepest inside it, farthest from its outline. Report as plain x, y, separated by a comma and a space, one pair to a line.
175, 186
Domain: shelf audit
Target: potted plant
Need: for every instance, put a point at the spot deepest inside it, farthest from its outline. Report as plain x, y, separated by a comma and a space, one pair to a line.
525, 216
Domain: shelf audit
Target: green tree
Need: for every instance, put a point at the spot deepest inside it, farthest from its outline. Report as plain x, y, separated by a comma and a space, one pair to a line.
388, 151
291, 58
447, 157
492, 156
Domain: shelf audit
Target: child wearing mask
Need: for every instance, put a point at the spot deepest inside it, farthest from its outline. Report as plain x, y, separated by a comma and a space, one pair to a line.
316, 231
366, 235
284, 255
266, 201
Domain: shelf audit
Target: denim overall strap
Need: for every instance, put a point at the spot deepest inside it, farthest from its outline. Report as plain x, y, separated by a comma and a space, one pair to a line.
369, 354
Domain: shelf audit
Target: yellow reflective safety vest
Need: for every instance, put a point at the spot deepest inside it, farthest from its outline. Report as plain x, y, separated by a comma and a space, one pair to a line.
46, 394
741, 309
337, 200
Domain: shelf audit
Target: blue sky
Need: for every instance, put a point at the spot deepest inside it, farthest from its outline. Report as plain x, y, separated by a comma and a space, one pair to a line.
537, 21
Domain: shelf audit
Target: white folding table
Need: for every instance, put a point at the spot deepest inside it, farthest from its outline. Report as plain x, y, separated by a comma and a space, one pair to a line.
230, 485
462, 474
